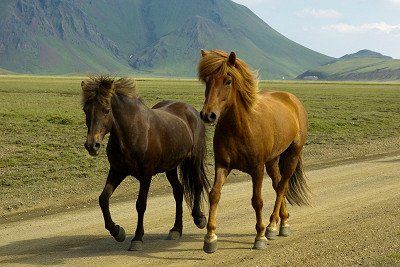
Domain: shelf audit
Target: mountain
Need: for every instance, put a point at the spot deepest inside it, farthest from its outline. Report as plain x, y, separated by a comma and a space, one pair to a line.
364, 65
5, 72
365, 54
143, 37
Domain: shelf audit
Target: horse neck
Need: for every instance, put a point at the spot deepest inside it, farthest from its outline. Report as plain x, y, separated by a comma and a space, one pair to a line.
236, 117
128, 120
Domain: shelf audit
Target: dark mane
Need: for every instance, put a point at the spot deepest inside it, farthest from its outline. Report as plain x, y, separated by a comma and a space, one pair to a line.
101, 89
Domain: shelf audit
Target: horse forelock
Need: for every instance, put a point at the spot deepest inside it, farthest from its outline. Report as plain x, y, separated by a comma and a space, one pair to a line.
101, 88
245, 80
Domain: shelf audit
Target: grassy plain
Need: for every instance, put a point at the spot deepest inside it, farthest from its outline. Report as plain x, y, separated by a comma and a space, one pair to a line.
43, 162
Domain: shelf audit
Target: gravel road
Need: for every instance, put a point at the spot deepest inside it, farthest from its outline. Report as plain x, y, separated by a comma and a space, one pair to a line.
354, 220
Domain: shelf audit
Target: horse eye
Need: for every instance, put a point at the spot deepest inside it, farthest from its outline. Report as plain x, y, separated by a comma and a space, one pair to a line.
228, 82
106, 111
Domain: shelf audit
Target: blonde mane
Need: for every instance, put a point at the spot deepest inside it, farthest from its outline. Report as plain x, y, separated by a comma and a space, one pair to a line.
102, 88
245, 82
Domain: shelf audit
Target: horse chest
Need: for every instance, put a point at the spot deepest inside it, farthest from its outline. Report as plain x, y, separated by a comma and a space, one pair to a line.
237, 153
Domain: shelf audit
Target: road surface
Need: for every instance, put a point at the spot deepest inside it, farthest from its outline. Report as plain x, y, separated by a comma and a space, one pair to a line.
355, 219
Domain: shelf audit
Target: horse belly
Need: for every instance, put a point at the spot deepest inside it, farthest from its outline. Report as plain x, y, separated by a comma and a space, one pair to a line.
175, 147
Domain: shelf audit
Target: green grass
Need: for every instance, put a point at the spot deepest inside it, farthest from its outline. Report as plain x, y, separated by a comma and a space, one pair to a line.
42, 131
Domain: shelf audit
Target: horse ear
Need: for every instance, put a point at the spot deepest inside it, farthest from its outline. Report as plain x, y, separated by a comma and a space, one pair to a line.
112, 84
232, 59
203, 53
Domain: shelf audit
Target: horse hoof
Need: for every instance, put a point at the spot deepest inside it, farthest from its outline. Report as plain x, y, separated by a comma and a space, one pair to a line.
270, 234
173, 235
210, 247
201, 223
120, 237
260, 243
284, 231
136, 246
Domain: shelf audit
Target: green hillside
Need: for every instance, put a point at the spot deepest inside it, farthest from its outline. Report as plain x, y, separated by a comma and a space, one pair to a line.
378, 68
147, 37
5, 72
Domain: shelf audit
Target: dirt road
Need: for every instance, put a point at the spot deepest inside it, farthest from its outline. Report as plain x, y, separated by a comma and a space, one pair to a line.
355, 220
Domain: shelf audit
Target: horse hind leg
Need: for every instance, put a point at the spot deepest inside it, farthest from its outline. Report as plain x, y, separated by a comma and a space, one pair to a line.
287, 166
198, 216
113, 181
195, 183
141, 204
177, 188
273, 171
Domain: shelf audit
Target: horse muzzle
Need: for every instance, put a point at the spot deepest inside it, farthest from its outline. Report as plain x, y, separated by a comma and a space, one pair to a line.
93, 148
208, 117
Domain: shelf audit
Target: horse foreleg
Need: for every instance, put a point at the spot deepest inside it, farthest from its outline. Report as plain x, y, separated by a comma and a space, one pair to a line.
141, 203
113, 181
210, 240
177, 188
257, 203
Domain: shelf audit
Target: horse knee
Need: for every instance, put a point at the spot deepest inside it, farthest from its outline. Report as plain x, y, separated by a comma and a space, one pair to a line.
257, 203
104, 198
140, 207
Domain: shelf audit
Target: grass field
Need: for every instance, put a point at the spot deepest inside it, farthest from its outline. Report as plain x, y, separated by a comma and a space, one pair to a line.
43, 162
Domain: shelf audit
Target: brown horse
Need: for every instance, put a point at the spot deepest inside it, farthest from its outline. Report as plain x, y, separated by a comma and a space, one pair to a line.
144, 142
253, 130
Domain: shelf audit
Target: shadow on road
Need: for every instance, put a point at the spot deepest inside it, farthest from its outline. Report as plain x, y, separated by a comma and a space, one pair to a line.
58, 250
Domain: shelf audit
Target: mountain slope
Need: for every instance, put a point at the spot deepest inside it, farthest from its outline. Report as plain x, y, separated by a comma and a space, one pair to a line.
5, 72
363, 65
153, 37
365, 53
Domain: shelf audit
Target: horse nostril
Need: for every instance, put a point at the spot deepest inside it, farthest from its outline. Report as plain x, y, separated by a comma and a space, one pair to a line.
96, 146
213, 116
201, 115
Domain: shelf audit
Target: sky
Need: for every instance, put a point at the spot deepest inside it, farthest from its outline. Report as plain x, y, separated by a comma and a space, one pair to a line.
334, 28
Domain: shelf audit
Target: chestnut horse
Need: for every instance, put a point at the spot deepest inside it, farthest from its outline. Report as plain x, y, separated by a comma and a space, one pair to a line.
252, 130
142, 143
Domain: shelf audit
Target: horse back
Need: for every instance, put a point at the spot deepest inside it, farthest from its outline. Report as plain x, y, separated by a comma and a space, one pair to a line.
284, 102
183, 111
286, 115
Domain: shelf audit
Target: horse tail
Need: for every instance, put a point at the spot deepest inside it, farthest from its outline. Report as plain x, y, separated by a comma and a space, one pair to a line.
298, 192
194, 179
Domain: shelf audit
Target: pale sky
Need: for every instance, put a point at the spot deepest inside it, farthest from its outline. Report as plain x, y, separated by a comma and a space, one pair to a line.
334, 28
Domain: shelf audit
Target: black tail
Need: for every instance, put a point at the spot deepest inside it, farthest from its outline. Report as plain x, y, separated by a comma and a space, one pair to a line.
298, 192
194, 178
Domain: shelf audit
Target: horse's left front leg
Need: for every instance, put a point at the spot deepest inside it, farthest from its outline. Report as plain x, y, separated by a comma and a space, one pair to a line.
257, 203
141, 203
